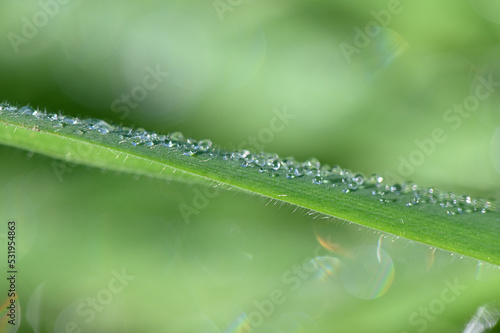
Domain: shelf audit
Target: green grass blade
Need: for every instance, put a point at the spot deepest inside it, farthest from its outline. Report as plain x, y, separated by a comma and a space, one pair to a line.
455, 223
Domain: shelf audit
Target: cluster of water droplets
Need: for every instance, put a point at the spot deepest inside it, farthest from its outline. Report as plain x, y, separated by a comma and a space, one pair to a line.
125, 135
312, 170
176, 140
348, 181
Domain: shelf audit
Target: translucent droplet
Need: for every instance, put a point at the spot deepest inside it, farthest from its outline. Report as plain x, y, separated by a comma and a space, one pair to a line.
171, 144
336, 170
317, 180
359, 179
235, 155
408, 187
298, 172
204, 145
289, 164
260, 161
249, 158
396, 188
274, 164
244, 153
26, 110
38, 114
311, 163
135, 141
353, 186
68, 120
100, 125
176, 136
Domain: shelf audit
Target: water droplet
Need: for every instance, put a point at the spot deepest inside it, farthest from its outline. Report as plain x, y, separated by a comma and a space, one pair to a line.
249, 158
336, 170
171, 144
359, 179
298, 172
353, 186
26, 110
204, 145
176, 136
274, 164
317, 180
408, 187
244, 153
260, 161
235, 155
396, 188
38, 114
311, 164
69, 120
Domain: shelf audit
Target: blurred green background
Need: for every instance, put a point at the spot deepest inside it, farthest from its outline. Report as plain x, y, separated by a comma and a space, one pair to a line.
362, 84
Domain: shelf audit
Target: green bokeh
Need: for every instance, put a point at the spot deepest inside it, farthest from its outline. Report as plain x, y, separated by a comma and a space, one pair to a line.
228, 72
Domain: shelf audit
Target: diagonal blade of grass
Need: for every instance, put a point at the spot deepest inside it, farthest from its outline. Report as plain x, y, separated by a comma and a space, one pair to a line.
451, 222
